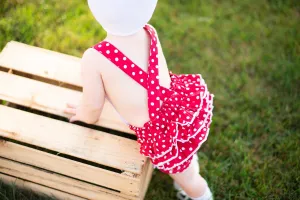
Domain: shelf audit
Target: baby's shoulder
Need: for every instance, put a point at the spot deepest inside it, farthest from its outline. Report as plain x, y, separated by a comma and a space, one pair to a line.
90, 54
91, 58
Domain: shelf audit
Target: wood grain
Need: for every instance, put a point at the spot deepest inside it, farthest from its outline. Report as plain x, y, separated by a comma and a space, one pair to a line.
41, 62
124, 184
147, 181
38, 188
52, 99
70, 139
59, 182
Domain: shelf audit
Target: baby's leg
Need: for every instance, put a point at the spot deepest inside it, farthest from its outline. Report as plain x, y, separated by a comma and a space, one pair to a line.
195, 163
191, 182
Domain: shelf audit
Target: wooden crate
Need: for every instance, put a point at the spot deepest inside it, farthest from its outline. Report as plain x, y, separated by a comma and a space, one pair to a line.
41, 150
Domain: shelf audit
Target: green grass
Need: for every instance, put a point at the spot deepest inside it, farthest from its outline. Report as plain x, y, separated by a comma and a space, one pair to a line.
11, 192
249, 53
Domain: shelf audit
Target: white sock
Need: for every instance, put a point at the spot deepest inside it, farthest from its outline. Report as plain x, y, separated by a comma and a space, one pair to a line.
206, 196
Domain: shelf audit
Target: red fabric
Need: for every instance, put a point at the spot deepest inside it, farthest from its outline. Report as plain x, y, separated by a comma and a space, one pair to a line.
176, 129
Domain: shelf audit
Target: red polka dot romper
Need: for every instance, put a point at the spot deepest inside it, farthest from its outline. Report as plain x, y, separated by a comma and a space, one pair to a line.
179, 126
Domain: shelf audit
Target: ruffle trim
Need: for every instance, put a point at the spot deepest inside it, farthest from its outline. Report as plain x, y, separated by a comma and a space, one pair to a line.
160, 165
204, 96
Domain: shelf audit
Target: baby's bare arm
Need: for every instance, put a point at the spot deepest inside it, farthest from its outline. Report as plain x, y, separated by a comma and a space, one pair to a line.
93, 96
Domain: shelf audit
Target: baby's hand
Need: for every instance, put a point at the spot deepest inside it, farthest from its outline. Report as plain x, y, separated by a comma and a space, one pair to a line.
72, 110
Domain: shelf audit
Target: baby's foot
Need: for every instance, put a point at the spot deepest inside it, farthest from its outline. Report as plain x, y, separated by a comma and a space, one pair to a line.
181, 195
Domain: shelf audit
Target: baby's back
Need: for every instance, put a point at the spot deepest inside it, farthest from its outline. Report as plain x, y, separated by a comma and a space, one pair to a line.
128, 97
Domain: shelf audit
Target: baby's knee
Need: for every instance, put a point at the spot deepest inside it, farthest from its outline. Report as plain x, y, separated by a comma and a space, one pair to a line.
186, 178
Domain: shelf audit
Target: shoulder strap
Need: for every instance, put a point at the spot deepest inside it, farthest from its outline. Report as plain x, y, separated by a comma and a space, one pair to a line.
123, 62
154, 90
149, 81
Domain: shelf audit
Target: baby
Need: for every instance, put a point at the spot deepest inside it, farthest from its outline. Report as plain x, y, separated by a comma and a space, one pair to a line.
169, 113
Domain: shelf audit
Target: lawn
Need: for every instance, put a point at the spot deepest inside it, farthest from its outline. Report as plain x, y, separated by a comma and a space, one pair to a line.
249, 53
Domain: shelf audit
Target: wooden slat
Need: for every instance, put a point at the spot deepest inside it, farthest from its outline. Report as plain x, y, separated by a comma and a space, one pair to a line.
41, 62
145, 178
146, 182
125, 184
51, 99
144, 174
39, 188
59, 182
81, 142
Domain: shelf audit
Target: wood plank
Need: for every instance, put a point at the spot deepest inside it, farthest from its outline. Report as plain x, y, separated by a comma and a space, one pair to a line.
147, 181
125, 184
52, 99
59, 182
144, 174
41, 62
38, 188
71, 139
145, 178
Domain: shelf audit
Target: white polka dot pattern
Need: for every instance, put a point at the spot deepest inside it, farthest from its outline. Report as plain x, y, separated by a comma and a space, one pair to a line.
179, 126
125, 64
153, 82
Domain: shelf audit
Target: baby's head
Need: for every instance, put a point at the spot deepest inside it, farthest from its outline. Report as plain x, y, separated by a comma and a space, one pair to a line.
122, 17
